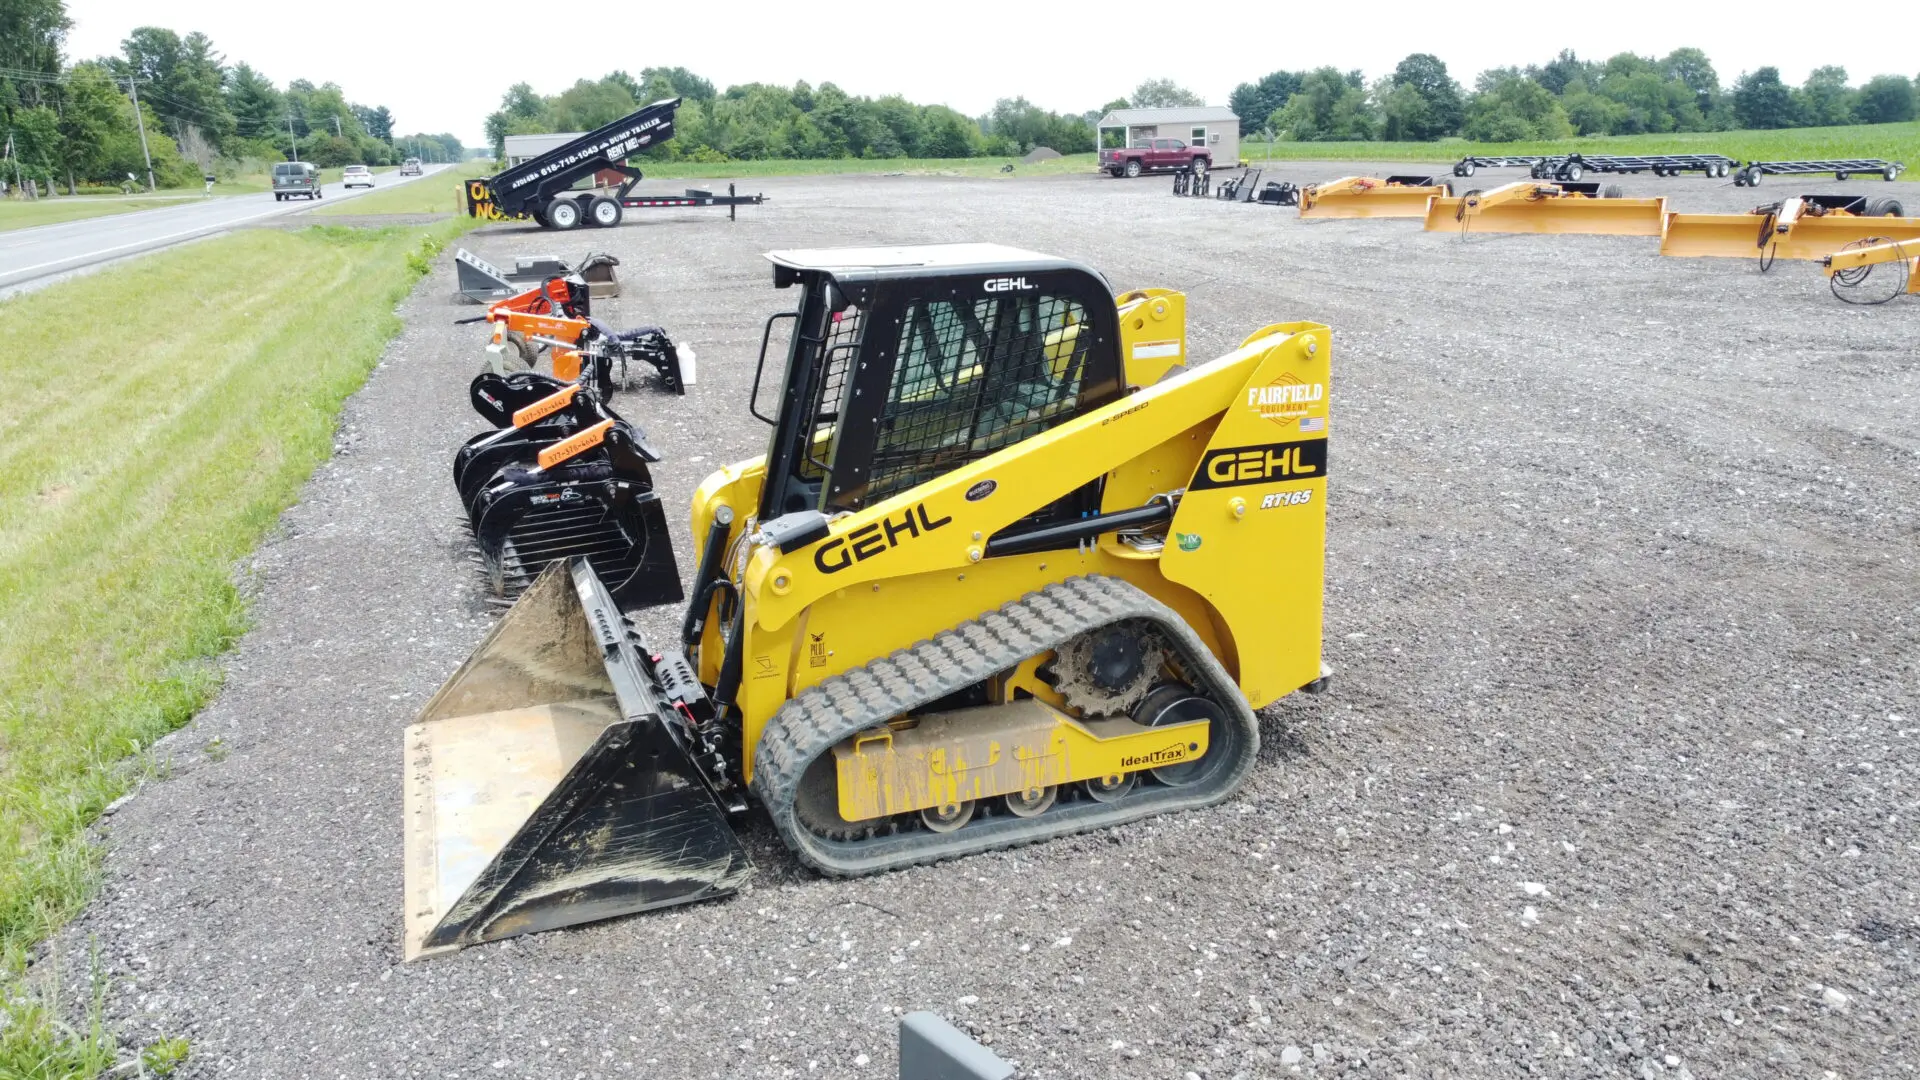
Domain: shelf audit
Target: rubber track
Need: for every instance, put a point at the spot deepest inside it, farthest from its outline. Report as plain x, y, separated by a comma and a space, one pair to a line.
810, 725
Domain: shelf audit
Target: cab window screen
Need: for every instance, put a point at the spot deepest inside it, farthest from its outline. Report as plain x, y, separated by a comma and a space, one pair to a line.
972, 376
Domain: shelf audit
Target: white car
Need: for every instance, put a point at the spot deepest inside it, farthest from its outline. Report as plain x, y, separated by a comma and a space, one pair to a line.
356, 176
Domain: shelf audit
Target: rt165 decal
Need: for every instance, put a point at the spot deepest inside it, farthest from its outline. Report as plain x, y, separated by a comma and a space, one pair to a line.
1269, 463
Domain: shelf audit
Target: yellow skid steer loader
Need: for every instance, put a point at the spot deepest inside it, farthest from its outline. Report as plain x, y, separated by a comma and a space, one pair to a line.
1007, 571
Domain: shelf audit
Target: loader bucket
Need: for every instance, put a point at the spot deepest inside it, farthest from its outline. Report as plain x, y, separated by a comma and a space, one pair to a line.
1385, 201
547, 786
1737, 236
1568, 214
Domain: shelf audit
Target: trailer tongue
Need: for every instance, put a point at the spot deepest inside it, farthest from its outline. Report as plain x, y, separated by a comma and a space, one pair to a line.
542, 187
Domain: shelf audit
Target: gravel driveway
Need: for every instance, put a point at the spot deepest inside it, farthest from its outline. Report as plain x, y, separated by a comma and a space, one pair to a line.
1616, 776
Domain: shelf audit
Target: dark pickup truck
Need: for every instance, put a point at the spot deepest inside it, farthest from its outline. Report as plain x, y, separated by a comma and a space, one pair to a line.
1148, 155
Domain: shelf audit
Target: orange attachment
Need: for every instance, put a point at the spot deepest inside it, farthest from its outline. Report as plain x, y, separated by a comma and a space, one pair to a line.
574, 445
566, 364
545, 407
534, 301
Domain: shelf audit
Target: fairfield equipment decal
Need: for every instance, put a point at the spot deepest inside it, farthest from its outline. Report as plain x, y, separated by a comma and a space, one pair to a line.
1285, 399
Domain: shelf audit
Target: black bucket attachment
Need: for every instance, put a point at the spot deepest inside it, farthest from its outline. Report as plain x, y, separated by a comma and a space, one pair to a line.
598, 505
548, 783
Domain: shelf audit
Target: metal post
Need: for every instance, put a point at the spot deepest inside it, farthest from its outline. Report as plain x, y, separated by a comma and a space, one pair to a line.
932, 1049
133, 87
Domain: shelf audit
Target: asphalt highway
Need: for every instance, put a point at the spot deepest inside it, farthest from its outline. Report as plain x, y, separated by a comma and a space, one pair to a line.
28, 255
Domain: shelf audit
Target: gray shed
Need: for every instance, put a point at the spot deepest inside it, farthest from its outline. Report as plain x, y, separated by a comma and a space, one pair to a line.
1214, 125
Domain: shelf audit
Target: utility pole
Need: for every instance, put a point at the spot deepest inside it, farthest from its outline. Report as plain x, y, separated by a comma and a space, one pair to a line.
133, 87
336, 126
290, 139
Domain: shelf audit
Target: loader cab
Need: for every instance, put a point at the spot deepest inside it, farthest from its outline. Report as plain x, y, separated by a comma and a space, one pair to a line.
906, 363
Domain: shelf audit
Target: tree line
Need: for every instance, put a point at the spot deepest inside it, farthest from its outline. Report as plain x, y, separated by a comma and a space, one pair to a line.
1625, 94
756, 121
70, 124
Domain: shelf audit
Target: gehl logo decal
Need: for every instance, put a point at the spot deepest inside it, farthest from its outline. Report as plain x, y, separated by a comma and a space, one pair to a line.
1271, 463
1007, 284
873, 538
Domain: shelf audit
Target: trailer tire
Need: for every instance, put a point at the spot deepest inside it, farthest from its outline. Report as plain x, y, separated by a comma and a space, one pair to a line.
1133, 168
1843, 176
1890, 172
1572, 172
604, 213
563, 214
1612, 191
1885, 208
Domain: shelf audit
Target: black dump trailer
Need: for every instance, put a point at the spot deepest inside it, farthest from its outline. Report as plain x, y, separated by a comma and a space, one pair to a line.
542, 188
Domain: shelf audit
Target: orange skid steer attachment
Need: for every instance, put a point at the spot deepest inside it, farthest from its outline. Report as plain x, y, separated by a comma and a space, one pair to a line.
1530, 206
1370, 197
1806, 227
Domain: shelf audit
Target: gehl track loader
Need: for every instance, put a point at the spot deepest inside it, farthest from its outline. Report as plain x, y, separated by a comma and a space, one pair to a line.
1006, 571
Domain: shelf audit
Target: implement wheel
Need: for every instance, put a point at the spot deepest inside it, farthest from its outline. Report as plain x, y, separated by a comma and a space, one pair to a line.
563, 214
605, 213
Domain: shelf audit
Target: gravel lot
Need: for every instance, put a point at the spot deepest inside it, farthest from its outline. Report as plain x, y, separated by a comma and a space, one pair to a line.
1616, 777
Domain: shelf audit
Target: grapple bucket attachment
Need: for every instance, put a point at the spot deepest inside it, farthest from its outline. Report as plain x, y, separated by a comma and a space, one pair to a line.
1570, 214
1740, 236
547, 784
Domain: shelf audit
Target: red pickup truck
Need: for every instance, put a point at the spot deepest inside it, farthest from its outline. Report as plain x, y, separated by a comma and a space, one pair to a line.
1150, 154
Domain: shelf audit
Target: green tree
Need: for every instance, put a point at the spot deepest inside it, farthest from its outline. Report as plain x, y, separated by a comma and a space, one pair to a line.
184, 78
685, 83
1761, 100
1692, 68
1826, 99
1163, 94
1328, 106
31, 34
1254, 102
90, 111
1516, 109
377, 121
259, 111
949, 135
1886, 99
38, 147
1441, 110
1558, 73
586, 105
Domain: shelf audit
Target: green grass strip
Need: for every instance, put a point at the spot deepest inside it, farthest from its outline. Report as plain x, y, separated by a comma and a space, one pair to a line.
164, 414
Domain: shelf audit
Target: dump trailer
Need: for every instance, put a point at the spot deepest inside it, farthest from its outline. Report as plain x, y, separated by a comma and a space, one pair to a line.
1874, 271
1008, 570
1803, 227
1370, 197
542, 188
1842, 169
1530, 206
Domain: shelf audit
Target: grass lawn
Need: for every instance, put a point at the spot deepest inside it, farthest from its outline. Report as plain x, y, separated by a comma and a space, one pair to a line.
438, 193
24, 214
118, 546
1892, 142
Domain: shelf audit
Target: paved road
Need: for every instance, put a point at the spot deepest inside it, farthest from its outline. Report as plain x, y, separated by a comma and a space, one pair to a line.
28, 255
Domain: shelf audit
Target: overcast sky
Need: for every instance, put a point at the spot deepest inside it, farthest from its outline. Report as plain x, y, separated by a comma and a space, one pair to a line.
443, 66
